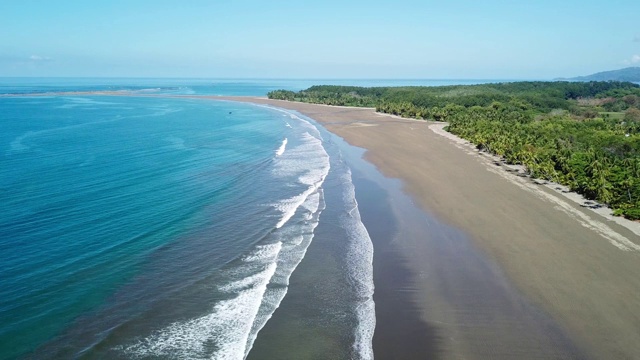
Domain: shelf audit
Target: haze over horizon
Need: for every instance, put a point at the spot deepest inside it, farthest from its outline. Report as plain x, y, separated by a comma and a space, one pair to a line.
332, 39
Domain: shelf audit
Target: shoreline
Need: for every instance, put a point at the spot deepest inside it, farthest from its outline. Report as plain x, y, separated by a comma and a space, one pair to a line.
445, 318
567, 268
491, 266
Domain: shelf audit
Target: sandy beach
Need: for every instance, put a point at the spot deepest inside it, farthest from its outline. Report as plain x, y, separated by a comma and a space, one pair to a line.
537, 264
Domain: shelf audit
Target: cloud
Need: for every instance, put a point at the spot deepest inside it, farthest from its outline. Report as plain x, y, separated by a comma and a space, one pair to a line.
39, 58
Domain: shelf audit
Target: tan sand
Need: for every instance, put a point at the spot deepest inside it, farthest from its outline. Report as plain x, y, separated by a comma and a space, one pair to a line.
576, 265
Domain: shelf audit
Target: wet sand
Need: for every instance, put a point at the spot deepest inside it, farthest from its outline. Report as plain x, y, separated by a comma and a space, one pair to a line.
496, 265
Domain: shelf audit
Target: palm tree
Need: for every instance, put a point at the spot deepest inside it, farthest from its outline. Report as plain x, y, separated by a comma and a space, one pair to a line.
599, 170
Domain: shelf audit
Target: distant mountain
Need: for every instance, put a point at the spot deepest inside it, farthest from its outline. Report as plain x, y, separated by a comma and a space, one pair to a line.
631, 74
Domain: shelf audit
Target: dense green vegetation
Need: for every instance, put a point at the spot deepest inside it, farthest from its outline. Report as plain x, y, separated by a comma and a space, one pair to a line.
583, 135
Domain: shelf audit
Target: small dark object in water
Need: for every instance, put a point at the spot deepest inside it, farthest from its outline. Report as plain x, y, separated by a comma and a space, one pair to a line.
229, 112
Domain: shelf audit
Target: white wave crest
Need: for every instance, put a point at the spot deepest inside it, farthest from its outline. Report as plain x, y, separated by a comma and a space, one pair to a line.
228, 326
360, 262
263, 252
296, 240
282, 147
310, 163
289, 206
313, 203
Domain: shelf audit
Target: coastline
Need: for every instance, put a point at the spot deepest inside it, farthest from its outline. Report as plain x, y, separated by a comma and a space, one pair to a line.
550, 251
482, 262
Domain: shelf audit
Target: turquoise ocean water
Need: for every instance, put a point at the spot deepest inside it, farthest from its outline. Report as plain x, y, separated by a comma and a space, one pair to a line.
157, 227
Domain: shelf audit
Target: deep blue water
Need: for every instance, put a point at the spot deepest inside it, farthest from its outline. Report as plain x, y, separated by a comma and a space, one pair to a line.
135, 227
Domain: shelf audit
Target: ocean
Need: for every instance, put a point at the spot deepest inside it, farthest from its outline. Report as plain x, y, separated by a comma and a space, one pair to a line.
159, 227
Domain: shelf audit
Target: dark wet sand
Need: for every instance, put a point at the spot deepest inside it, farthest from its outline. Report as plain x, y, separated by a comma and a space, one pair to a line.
512, 275
400, 334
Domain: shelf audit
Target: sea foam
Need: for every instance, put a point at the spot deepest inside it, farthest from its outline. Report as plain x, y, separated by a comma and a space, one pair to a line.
296, 238
282, 147
360, 263
228, 325
296, 162
360, 249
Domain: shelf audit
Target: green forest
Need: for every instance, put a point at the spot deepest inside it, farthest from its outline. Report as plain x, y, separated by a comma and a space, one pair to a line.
585, 135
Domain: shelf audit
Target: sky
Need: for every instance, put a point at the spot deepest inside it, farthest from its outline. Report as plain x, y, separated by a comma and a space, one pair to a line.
399, 39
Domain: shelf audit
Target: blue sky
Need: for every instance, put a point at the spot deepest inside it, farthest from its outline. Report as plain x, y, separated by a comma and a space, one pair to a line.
318, 39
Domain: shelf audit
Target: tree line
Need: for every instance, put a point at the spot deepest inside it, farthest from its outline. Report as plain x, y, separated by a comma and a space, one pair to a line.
585, 135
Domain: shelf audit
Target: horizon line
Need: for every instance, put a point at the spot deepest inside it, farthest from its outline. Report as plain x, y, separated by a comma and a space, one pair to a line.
265, 78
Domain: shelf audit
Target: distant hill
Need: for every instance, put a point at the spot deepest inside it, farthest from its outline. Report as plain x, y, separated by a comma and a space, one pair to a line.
631, 74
